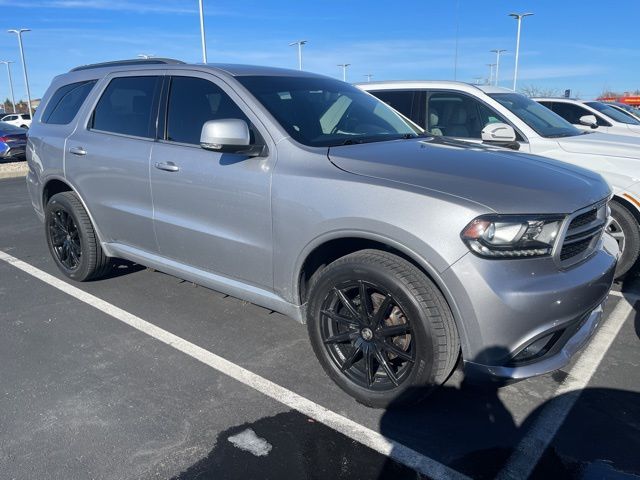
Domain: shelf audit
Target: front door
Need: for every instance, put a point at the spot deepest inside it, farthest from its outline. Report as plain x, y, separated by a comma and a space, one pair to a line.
212, 210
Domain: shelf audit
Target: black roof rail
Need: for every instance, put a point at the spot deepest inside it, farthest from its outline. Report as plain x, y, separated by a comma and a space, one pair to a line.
124, 63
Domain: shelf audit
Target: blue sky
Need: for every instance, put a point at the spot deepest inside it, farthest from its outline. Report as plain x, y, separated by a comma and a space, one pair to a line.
582, 45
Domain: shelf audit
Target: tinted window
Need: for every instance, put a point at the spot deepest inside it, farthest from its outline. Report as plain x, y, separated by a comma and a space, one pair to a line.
402, 101
192, 102
570, 112
614, 113
540, 118
127, 107
319, 111
66, 102
26, 116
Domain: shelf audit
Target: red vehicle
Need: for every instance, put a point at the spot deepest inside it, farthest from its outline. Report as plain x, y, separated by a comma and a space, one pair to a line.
633, 100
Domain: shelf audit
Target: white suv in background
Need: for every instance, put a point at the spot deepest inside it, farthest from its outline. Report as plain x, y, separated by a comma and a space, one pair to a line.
22, 120
592, 115
499, 116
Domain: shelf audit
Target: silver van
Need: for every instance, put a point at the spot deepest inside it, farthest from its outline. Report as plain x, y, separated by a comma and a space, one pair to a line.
403, 253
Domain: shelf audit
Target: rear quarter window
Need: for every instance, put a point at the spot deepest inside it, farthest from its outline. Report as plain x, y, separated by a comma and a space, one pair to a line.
66, 101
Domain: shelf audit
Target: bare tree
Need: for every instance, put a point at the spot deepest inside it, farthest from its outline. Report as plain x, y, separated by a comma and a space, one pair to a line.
535, 91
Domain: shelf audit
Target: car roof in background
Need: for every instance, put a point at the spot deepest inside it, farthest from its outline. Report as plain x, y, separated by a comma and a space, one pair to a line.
8, 128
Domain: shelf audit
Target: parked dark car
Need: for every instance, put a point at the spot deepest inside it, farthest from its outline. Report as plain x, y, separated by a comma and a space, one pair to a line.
13, 142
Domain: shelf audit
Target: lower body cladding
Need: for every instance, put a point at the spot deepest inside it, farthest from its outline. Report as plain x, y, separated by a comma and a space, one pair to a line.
526, 317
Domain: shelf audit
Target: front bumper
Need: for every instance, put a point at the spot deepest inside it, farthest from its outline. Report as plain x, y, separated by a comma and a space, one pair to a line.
506, 306
547, 364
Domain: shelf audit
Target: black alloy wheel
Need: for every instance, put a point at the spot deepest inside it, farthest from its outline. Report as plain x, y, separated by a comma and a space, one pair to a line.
367, 335
65, 239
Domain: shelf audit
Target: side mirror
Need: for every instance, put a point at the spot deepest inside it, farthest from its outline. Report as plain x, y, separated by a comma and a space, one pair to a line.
498, 132
589, 121
229, 135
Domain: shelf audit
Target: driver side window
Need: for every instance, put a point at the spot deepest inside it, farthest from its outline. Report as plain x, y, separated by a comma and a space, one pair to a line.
452, 114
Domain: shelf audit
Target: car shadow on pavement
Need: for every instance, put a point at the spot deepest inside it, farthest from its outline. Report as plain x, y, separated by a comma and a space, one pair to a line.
463, 426
120, 268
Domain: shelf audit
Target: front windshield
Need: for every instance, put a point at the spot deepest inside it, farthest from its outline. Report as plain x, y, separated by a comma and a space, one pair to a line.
614, 113
322, 112
538, 117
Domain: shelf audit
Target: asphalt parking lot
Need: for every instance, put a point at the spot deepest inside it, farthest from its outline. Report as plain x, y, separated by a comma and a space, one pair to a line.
143, 375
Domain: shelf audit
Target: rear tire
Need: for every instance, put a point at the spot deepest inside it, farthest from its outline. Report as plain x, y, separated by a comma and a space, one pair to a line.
393, 348
72, 240
624, 228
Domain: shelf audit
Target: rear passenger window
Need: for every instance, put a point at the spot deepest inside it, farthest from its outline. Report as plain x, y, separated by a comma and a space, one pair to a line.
127, 106
66, 101
194, 101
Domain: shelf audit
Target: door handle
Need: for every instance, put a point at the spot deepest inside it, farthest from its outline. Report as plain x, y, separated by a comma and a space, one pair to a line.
167, 166
78, 151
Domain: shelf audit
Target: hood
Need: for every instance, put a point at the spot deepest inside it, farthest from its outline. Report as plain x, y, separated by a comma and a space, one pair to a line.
602, 144
502, 180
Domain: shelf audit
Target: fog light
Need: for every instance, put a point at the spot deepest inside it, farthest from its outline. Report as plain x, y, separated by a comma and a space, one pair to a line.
537, 349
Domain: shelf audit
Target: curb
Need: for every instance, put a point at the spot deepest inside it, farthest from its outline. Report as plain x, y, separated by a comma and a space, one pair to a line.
13, 172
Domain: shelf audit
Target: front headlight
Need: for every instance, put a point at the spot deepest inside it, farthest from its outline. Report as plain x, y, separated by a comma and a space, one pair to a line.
511, 236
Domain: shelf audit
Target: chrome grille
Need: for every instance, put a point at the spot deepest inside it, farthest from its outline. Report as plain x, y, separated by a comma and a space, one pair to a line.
583, 233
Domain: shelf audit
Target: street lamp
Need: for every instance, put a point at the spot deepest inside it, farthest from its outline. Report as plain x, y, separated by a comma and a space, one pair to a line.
13, 98
498, 52
368, 75
490, 65
24, 65
519, 17
344, 70
299, 43
146, 56
202, 36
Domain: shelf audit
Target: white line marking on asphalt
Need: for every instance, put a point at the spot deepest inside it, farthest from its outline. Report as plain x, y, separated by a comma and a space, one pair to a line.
633, 297
248, 441
528, 452
359, 433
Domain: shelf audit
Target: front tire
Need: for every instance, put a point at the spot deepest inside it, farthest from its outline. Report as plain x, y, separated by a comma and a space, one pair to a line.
381, 329
624, 228
72, 240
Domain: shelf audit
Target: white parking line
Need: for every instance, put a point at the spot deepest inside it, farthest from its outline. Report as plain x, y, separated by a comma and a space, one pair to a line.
530, 449
632, 297
355, 431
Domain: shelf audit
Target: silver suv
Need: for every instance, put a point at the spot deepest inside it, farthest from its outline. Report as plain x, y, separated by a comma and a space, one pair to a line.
403, 253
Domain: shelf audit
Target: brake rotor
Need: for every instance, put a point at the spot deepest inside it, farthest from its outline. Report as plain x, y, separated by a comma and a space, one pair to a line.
396, 317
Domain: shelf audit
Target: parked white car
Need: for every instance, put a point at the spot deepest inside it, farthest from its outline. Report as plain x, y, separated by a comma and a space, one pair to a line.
634, 112
593, 115
498, 116
22, 120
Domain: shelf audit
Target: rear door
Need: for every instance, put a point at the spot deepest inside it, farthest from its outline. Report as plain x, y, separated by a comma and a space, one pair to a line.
107, 157
212, 210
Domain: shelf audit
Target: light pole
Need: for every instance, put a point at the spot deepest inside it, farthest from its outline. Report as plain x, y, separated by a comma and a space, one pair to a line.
368, 75
146, 56
13, 98
344, 70
490, 65
519, 17
24, 65
498, 52
204, 42
299, 43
